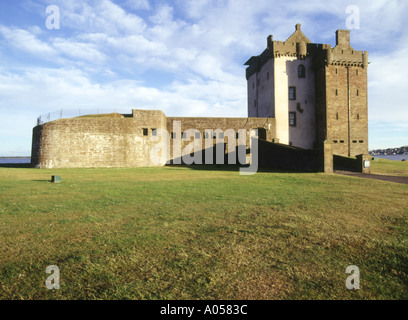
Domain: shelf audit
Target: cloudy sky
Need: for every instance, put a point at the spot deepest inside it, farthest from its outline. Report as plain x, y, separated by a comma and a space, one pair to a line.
184, 57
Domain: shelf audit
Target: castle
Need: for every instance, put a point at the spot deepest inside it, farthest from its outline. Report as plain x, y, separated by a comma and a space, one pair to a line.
301, 96
315, 92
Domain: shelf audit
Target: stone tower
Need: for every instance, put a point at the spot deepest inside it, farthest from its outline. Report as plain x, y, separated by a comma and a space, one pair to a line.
314, 92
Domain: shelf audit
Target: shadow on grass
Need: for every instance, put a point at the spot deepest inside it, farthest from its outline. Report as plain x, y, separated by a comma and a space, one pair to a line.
16, 165
226, 167
203, 167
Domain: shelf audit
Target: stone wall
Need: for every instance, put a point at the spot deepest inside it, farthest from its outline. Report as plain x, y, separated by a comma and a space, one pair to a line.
346, 109
261, 102
338, 92
128, 141
86, 142
342, 97
280, 156
266, 126
354, 164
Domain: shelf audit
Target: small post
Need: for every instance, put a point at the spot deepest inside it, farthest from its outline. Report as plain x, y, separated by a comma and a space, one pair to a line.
56, 179
328, 157
364, 162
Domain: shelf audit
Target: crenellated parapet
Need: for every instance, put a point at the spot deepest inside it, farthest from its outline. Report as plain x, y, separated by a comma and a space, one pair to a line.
317, 92
295, 46
343, 53
298, 45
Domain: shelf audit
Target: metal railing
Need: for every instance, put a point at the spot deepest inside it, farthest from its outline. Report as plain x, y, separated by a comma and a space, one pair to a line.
72, 113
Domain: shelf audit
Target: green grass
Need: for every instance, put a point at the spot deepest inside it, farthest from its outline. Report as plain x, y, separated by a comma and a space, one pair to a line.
390, 167
182, 233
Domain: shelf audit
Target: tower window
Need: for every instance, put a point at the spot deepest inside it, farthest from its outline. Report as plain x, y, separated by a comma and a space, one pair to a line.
154, 132
337, 116
292, 119
301, 71
357, 92
292, 93
337, 92
145, 132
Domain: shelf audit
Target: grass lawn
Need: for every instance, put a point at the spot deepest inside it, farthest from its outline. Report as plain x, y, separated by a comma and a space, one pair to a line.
182, 233
390, 167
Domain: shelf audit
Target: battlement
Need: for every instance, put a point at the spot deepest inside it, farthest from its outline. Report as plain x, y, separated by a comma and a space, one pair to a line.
315, 91
298, 45
280, 48
343, 38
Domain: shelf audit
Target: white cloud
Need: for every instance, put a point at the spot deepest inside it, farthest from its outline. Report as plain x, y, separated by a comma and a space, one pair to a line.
99, 16
137, 4
79, 50
387, 86
45, 90
138, 46
26, 41
163, 16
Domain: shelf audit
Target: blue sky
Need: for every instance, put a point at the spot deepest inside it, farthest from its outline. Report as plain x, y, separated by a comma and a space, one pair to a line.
184, 57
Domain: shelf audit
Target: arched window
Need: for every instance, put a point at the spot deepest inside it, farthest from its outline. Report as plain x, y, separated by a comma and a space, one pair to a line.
301, 71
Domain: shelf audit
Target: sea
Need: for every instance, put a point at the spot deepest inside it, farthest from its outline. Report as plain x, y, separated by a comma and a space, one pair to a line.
15, 160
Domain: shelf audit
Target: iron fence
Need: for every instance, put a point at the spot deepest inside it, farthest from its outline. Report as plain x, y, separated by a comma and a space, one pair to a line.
72, 113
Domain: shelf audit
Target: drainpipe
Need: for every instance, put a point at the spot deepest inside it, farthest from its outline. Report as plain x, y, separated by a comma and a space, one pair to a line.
257, 102
348, 110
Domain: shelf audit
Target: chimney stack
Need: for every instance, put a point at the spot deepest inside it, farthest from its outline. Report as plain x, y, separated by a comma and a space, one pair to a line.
343, 38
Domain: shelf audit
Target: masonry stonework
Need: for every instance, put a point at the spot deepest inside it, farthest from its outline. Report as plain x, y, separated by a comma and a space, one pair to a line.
95, 141
308, 98
315, 92
128, 140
